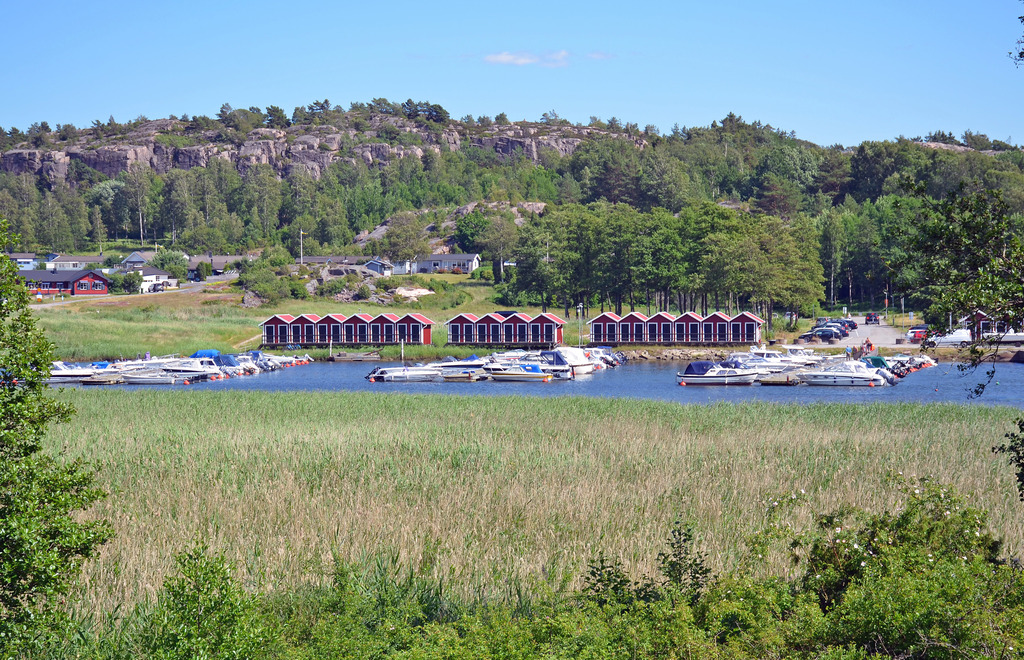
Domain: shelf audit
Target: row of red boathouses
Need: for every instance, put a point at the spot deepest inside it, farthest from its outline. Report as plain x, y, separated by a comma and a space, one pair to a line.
510, 329
506, 329
356, 330
666, 328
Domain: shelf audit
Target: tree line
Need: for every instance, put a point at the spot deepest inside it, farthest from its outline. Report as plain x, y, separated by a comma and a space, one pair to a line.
853, 204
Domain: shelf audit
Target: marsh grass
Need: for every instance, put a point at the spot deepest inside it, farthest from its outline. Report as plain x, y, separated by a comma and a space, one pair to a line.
487, 492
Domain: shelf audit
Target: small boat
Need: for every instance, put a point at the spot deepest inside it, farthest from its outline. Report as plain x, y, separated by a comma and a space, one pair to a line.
522, 373
847, 373
403, 374
62, 372
370, 356
151, 378
104, 379
464, 375
705, 372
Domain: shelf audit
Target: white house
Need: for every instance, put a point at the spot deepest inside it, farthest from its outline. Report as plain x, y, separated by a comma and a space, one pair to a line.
73, 262
24, 260
433, 263
154, 279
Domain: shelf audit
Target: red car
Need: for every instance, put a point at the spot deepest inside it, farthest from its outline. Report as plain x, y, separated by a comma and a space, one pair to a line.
917, 335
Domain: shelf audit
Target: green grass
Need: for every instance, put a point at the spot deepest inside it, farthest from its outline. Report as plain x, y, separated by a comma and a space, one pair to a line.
493, 489
183, 322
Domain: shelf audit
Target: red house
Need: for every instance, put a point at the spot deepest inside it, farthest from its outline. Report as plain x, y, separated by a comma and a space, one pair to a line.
605, 328
514, 328
659, 328
275, 329
632, 327
546, 329
382, 329
688, 327
461, 329
488, 328
66, 282
745, 327
329, 329
414, 329
356, 329
715, 328
303, 329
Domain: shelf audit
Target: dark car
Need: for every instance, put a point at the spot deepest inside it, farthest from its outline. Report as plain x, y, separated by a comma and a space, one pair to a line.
872, 319
823, 334
838, 328
849, 323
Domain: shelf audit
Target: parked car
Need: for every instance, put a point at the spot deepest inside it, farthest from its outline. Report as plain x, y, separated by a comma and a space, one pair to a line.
960, 338
838, 327
917, 333
850, 324
872, 319
824, 334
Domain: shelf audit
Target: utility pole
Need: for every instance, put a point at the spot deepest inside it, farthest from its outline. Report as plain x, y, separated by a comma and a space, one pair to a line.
301, 257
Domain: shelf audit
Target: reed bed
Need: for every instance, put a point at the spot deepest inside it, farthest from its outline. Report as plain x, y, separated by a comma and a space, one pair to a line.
487, 491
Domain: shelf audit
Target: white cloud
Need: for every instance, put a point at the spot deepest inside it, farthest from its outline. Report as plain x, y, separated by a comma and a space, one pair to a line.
518, 59
599, 55
561, 58
551, 60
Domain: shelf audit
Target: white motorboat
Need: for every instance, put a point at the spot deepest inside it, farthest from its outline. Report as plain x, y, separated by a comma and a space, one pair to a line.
705, 372
847, 373
577, 360
522, 373
62, 372
153, 377
403, 374
194, 367
452, 364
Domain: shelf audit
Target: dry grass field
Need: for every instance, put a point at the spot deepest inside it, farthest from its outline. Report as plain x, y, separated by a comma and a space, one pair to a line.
487, 491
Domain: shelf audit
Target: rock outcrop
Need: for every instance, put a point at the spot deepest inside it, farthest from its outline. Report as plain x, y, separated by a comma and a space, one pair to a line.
307, 148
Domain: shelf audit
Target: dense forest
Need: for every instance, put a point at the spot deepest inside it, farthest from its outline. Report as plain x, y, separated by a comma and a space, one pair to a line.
698, 217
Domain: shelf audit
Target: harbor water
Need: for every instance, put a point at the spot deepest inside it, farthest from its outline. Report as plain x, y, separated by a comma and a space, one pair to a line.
944, 383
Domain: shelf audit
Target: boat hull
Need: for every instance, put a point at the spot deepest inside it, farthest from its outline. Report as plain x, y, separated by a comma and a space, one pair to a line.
747, 379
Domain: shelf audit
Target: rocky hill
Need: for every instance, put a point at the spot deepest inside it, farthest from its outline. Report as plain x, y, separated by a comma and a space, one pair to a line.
166, 144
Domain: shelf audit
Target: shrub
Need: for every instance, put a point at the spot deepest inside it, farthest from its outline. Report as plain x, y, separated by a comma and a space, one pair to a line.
331, 288
297, 289
203, 613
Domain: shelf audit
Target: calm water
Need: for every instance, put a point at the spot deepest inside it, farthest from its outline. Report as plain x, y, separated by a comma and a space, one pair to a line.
647, 380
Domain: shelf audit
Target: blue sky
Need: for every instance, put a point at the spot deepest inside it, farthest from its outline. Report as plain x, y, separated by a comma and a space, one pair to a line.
833, 72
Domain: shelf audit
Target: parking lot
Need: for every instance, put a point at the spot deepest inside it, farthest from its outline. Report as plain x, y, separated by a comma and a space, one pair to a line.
880, 335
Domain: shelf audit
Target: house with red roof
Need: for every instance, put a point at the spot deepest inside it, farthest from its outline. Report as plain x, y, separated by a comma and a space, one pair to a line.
605, 328
275, 329
414, 329
356, 329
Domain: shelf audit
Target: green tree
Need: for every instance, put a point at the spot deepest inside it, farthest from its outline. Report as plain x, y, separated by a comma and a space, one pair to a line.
172, 261
132, 282
137, 180
405, 239
43, 542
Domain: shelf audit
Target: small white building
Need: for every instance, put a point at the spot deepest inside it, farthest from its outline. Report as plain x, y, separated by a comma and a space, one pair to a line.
73, 262
154, 279
434, 263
